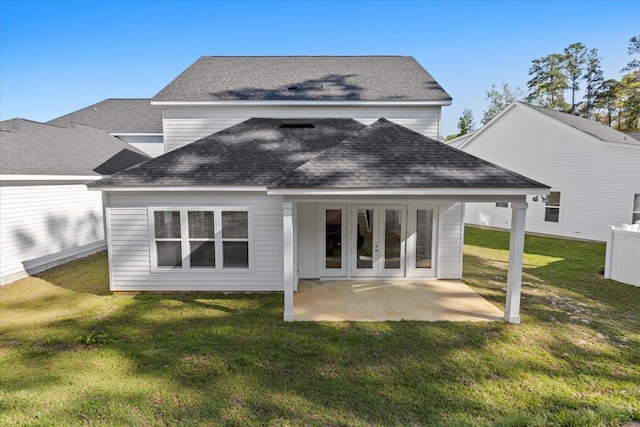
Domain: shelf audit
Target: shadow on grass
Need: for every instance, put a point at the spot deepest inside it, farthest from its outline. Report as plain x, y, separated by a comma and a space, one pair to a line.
202, 358
86, 275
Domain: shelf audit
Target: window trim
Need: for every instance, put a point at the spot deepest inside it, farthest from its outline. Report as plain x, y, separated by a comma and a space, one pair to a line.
633, 202
186, 240
559, 207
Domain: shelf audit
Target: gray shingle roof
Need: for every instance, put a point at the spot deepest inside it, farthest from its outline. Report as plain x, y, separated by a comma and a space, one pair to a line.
336, 153
254, 152
600, 131
304, 78
635, 135
387, 155
117, 116
32, 148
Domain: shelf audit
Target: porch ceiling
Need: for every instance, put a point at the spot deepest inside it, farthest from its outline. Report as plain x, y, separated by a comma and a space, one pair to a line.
391, 300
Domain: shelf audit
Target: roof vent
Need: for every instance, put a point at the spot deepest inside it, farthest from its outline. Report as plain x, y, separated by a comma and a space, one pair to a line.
297, 126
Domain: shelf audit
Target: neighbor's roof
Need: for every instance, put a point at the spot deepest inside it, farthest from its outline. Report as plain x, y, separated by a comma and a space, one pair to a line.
33, 148
336, 153
117, 116
596, 129
304, 78
635, 135
458, 141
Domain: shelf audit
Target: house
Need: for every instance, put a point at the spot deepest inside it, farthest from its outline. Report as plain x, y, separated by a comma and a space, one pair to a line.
282, 168
133, 120
217, 92
593, 171
47, 216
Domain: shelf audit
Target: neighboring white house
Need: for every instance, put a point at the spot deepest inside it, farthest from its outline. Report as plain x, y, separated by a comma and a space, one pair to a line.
593, 171
47, 216
319, 187
134, 120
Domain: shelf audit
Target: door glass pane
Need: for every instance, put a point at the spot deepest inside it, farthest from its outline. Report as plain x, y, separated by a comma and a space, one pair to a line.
235, 224
392, 238
333, 233
203, 254
365, 224
167, 224
169, 254
235, 254
424, 238
201, 225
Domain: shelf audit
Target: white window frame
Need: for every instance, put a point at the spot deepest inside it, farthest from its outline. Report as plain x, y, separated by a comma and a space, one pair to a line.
185, 240
412, 229
559, 207
633, 202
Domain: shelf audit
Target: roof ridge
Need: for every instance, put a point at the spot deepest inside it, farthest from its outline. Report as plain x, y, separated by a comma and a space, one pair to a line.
306, 56
381, 120
35, 122
324, 153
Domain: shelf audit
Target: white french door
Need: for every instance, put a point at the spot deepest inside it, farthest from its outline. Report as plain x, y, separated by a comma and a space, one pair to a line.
377, 241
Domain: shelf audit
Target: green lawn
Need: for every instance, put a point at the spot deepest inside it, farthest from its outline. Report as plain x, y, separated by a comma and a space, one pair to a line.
72, 353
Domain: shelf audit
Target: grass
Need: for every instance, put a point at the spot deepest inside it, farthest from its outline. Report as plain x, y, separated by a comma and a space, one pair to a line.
71, 353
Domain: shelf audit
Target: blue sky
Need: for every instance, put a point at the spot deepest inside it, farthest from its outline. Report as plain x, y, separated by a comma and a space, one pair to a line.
56, 57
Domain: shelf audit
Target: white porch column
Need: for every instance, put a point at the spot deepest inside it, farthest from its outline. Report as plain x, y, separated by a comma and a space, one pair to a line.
516, 252
289, 265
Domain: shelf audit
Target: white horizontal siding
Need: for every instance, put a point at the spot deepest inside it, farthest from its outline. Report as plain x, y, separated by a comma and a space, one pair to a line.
307, 240
43, 224
152, 145
450, 241
183, 125
130, 252
597, 180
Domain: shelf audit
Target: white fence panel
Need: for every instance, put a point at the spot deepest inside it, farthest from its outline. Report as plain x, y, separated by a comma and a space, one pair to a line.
623, 254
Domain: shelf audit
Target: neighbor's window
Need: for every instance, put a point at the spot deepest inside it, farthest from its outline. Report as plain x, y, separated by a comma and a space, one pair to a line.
552, 210
206, 239
635, 214
502, 204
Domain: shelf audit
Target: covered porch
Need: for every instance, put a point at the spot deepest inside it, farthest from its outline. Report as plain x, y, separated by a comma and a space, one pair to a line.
393, 299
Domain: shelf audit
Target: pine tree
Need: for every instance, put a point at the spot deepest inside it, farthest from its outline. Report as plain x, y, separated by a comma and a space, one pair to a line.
575, 59
593, 78
633, 49
548, 82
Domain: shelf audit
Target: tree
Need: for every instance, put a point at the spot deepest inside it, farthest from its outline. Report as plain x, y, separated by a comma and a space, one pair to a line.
633, 49
575, 59
630, 102
607, 101
466, 123
593, 78
548, 82
499, 99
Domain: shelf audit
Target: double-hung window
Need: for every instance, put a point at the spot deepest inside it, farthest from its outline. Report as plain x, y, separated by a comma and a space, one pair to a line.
200, 239
552, 208
635, 213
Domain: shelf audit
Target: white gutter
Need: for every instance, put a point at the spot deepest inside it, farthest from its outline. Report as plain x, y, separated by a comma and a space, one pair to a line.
7, 179
135, 134
408, 191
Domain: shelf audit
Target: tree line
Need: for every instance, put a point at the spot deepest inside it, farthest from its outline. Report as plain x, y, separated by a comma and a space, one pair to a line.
572, 82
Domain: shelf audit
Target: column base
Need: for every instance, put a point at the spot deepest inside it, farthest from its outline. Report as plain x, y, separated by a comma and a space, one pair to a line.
512, 318
288, 317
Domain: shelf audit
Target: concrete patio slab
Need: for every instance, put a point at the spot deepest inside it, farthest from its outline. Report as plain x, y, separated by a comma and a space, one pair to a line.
391, 300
